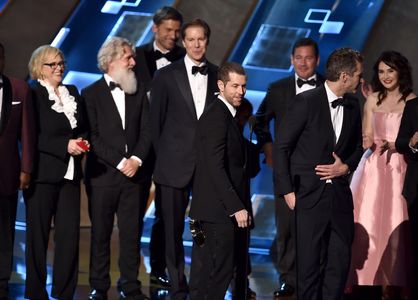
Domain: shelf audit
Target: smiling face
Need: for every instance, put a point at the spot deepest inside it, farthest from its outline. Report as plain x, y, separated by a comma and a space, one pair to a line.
388, 76
234, 89
305, 61
166, 34
195, 42
53, 68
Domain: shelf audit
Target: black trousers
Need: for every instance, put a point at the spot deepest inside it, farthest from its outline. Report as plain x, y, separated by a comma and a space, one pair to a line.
322, 273
213, 264
174, 202
157, 242
413, 221
104, 203
8, 206
60, 201
285, 242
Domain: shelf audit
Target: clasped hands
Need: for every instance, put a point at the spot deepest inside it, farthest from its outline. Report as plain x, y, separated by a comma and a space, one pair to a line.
73, 148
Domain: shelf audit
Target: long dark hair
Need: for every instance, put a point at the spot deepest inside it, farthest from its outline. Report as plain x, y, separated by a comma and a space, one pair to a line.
400, 63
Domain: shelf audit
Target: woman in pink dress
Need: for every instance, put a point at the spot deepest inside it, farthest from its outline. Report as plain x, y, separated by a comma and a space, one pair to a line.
381, 252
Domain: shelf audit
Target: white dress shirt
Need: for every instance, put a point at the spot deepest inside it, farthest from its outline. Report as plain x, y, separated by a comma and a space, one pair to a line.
198, 85
337, 113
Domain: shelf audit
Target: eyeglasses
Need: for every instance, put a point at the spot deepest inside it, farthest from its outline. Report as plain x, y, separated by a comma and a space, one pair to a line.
55, 65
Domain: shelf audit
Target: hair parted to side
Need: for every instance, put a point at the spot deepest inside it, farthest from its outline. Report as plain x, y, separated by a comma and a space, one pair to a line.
196, 23
111, 49
306, 42
342, 60
227, 68
167, 13
38, 58
400, 64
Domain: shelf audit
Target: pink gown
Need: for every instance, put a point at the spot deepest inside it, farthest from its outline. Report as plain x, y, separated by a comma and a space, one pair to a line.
381, 251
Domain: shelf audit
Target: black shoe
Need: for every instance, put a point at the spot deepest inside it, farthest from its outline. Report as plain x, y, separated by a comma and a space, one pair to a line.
137, 295
97, 295
251, 294
284, 290
160, 280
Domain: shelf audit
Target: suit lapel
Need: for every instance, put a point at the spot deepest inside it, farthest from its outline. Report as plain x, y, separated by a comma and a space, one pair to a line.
149, 58
327, 116
212, 77
7, 103
184, 86
345, 126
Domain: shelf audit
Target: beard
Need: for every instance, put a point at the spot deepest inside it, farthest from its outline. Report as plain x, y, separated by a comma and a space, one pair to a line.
127, 80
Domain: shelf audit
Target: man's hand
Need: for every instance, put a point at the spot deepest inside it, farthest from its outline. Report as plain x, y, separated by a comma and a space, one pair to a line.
413, 142
130, 167
290, 200
242, 217
337, 169
24, 180
268, 153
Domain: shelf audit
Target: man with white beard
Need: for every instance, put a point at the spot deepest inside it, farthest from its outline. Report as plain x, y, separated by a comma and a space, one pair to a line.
117, 110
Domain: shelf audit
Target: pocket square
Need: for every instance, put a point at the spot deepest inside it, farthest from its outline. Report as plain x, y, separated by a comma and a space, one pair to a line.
16, 102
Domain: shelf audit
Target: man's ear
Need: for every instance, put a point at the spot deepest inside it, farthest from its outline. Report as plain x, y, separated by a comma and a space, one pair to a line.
154, 28
221, 86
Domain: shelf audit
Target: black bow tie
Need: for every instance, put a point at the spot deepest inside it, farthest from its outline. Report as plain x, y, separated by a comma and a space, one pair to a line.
300, 82
339, 101
202, 70
113, 85
169, 55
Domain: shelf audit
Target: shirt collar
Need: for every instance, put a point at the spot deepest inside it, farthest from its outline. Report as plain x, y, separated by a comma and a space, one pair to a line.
155, 46
312, 77
330, 94
108, 78
231, 109
189, 63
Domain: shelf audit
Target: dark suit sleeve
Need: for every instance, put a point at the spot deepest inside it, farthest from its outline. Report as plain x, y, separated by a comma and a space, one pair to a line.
99, 147
290, 130
353, 160
214, 139
28, 131
52, 144
263, 116
406, 131
158, 107
143, 144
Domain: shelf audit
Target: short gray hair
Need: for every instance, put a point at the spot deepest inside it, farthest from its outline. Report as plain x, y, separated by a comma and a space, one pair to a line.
111, 49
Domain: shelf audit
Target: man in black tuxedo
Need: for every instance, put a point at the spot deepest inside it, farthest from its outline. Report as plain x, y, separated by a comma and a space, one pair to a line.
17, 125
320, 144
305, 59
180, 93
220, 201
118, 111
149, 58
407, 143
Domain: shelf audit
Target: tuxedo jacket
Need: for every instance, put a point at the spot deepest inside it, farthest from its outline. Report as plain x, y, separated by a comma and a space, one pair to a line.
54, 132
220, 182
174, 122
409, 125
145, 62
17, 124
110, 143
280, 95
307, 139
